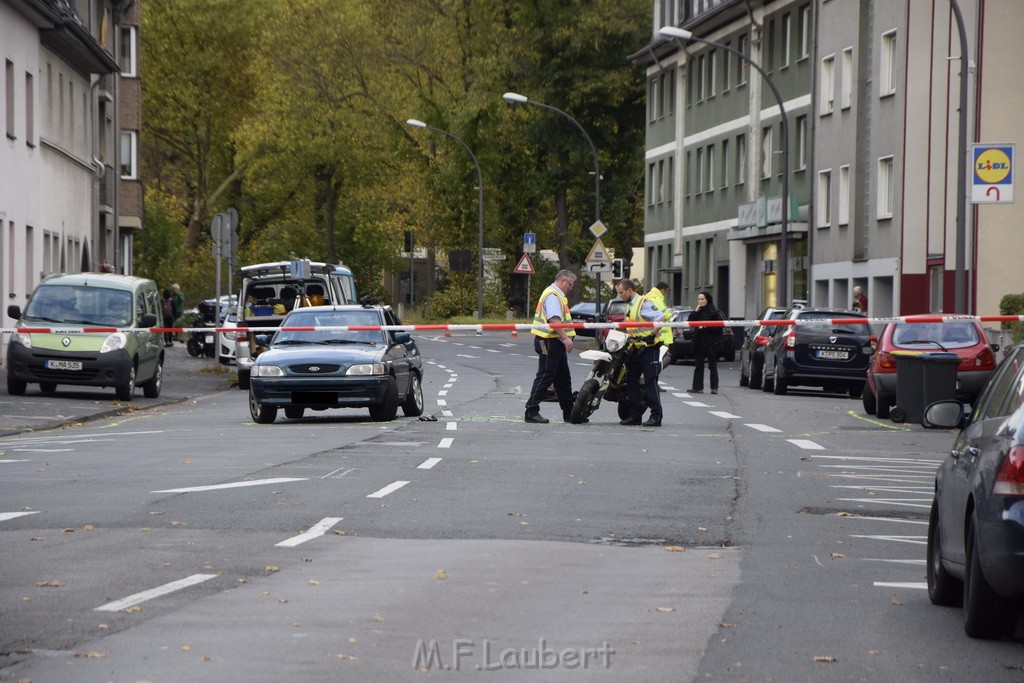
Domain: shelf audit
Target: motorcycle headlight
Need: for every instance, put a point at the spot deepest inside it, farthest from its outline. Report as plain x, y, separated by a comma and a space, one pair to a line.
267, 371
614, 342
114, 342
366, 369
22, 338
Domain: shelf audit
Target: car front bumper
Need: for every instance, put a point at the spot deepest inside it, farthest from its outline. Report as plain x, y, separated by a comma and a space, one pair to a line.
98, 369
320, 392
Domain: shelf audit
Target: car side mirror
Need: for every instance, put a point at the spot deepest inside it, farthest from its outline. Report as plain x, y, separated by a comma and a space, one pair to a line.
148, 320
14, 311
402, 337
947, 414
263, 339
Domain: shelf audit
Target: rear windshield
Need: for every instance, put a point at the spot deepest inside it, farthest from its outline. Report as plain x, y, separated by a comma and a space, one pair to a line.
821, 323
950, 335
617, 308
277, 297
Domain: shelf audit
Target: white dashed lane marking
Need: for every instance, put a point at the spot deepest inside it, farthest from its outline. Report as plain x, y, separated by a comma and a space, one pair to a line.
446, 442
763, 428
452, 426
315, 531
806, 445
232, 485
390, 488
133, 600
723, 414
428, 463
4, 516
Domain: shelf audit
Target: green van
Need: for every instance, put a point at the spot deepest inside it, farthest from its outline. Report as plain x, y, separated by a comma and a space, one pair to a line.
68, 304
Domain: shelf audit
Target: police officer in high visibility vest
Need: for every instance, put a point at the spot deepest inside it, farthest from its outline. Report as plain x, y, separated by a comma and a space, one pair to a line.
553, 346
646, 361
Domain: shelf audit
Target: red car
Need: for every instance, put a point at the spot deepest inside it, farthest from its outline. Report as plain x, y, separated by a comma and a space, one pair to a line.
965, 338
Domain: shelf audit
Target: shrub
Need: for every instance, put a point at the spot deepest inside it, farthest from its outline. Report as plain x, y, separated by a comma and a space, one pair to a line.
1013, 304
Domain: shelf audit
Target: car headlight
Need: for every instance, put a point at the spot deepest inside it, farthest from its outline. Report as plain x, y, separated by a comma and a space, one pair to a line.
366, 369
114, 342
267, 371
22, 338
230, 336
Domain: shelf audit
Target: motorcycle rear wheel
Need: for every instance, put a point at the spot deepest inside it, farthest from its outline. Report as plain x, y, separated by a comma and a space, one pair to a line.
581, 407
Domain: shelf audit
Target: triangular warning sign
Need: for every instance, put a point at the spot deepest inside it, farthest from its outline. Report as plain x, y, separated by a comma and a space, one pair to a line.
598, 253
524, 266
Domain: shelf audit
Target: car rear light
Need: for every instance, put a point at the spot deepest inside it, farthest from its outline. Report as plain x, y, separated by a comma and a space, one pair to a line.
886, 361
985, 359
873, 340
761, 340
791, 339
1010, 479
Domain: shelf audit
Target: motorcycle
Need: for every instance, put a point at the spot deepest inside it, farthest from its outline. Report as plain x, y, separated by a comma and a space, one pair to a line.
606, 380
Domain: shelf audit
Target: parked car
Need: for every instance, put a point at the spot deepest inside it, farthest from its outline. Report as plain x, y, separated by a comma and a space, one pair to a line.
681, 347
975, 554
585, 312
965, 338
752, 350
325, 369
819, 353
226, 340
124, 358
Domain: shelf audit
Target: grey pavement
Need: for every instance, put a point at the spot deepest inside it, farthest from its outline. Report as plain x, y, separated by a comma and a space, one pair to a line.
185, 377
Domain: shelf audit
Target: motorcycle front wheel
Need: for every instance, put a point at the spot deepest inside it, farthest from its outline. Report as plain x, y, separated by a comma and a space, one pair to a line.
586, 401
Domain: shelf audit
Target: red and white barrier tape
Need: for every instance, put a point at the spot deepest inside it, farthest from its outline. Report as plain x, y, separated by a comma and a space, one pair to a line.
513, 327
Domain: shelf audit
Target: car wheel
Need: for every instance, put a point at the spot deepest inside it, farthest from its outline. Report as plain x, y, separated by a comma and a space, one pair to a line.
744, 377
294, 412
47, 387
856, 389
124, 391
260, 413
755, 375
16, 387
868, 399
622, 409
151, 389
413, 406
243, 379
779, 385
767, 379
385, 411
193, 348
943, 588
986, 615
882, 406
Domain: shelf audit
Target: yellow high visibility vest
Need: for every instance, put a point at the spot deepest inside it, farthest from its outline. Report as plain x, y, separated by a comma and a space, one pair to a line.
646, 335
658, 299
538, 315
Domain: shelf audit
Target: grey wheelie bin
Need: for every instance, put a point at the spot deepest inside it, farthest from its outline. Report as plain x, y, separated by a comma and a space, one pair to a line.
922, 379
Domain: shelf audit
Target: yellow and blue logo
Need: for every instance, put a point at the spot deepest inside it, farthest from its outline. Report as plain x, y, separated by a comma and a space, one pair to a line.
993, 165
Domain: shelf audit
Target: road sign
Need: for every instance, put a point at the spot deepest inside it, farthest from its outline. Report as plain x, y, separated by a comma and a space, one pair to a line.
530, 243
598, 229
598, 253
524, 267
992, 174
599, 267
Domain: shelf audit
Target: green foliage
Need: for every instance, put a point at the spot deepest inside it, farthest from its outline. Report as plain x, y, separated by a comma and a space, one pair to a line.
1013, 304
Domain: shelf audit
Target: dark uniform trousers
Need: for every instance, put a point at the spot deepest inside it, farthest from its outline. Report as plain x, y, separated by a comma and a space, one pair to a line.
552, 368
648, 365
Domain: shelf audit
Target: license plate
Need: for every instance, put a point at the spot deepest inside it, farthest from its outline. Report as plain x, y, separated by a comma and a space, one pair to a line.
832, 355
64, 365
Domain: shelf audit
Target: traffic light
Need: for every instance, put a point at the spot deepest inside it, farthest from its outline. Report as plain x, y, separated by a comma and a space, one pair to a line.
617, 269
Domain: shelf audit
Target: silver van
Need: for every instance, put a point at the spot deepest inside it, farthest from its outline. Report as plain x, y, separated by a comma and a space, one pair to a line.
87, 329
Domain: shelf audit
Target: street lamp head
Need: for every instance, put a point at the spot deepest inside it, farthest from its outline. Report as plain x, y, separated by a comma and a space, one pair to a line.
675, 32
512, 97
416, 123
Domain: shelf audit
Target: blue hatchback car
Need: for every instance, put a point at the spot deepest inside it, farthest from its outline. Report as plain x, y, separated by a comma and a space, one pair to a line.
309, 365
976, 527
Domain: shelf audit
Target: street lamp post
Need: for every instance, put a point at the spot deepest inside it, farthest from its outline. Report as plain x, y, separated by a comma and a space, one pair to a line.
959, 284
516, 98
480, 212
782, 294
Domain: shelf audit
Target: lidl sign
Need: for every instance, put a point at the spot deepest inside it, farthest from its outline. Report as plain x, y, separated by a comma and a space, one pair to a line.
992, 173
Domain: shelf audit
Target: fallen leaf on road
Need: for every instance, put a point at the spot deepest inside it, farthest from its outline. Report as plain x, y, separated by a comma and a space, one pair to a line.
36, 538
282, 601
675, 548
715, 556
187, 461
176, 522
314, 582
69, 531
307, 559
725, 625
132, 609
441, 575
154, 512
825, 659
666, 609
207, 658
49, 584
185, 648
836, 555
894, 601
145, 529
377, 617
350, 658
702, 528
272, 568
88, 527
843, 514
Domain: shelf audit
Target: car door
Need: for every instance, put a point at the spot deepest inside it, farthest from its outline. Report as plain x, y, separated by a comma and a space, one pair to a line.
398, 354
979, 442
150, 343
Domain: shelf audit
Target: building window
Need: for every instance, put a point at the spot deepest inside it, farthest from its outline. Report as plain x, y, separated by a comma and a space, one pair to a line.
824, 198
711, 168
828, 84
844, 195
688, 173
652, 100
741, 159
671, 92
129, 153
701, 80
804, 32
9, 90
787, 39
769, 48
712, 73
660, 185
30, 110
847, 77
885, 184
725, 164
742, 67
129, 67
650, 184
671, 179
662, 95
801, 142
766, 153
887, 79
700, 170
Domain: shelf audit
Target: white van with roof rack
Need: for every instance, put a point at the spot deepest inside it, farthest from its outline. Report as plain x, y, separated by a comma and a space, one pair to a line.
270, 290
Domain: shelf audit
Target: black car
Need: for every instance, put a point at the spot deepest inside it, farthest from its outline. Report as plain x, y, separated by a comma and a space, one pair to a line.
976, 527
681, 347
752, 350
337, 368
815, 352
585, 312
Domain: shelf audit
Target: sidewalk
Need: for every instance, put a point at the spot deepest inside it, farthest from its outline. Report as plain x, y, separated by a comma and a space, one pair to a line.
184, 377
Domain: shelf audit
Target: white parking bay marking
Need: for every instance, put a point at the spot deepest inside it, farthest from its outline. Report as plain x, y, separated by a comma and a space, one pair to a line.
722, 413
451, 426
763, 428
15, 461
446, 413
902, 584
443, 392
466, 355
924, 503
42, 450
446, 442
390, 488
682, 394
131, 600
4, 516
232, 485
442, 402
428, 463
448, 386
315, 531
916, 540
696, 404
806, 445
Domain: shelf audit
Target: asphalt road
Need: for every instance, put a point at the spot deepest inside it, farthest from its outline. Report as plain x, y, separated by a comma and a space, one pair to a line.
753, 537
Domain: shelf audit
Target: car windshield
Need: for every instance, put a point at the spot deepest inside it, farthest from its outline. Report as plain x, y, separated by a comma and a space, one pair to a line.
355, 318
820, 323
583, 308
81, 305
951, 335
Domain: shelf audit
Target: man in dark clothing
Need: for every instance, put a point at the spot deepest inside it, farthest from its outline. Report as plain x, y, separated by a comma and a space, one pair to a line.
553, 346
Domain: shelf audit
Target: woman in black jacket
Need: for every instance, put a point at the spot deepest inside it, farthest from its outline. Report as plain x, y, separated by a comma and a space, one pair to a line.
707, 343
